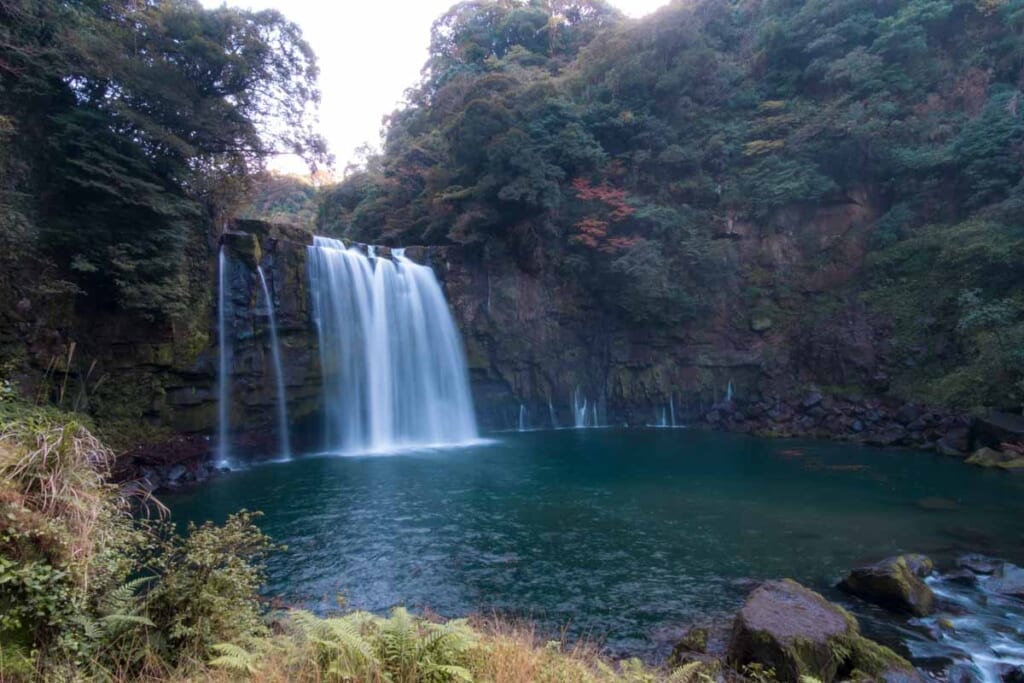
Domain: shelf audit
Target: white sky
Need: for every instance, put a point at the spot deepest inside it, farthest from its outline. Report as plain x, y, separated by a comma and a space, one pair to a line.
370, 52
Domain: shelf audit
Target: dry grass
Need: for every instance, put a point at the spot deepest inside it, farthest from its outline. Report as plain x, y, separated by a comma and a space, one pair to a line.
55, 469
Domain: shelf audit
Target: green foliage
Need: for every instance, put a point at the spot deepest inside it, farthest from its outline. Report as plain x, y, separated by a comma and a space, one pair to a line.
955, 294
134, 124
362, 647
208, 583
86, 591
714, 113
281, 198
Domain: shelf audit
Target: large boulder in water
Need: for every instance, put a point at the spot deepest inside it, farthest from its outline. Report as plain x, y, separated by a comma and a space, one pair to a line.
797, 632
894, 583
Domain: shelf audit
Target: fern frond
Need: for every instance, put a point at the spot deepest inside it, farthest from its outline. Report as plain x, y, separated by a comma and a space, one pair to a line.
449, 672
235, 658
691, 672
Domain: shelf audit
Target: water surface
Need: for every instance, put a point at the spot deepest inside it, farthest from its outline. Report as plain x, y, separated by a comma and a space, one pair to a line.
620, 535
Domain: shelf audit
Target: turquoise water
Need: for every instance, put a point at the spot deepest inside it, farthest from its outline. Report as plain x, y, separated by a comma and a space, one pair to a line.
624, 536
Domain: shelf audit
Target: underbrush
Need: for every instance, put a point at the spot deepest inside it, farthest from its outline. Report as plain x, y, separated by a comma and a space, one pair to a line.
96, 584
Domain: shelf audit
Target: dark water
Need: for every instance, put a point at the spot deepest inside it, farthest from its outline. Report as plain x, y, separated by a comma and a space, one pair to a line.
623, 536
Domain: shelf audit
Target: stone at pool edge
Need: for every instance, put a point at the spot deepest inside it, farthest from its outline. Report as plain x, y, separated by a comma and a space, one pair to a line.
894, 583
990, 457
691, 648
798, 632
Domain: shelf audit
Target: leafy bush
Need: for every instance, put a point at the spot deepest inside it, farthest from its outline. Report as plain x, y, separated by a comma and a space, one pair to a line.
86, 591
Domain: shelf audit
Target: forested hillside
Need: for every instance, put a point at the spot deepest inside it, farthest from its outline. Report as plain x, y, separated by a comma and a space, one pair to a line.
632, 157
126, 130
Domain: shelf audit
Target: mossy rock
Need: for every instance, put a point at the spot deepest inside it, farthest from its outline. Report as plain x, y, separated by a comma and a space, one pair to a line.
693, 644
797, 632
894, 583
990, 457
243, 247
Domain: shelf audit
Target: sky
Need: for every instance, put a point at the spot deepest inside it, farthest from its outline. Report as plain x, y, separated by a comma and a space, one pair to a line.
370, 52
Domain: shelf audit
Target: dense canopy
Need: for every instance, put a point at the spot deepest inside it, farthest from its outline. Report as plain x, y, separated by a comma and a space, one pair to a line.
617, 150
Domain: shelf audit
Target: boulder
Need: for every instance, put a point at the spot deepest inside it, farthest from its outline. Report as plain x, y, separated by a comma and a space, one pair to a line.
894, 583
946, 446
797, 632
690, 648
1007, 579
979, 564
989, 457
996, 428
761, 323
175, 474
890, 437
813, 399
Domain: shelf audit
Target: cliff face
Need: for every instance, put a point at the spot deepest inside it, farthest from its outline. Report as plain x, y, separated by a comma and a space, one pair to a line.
152, 386
804, 358
786, 347
535, 336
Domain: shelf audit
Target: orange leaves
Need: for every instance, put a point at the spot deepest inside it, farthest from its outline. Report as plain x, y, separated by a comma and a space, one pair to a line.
613, 197
592, 232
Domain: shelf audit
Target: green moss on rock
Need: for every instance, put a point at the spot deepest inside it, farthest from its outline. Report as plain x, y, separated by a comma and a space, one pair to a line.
799, 633
894, 583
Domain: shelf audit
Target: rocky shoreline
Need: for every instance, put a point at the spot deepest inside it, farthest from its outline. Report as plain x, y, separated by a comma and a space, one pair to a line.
960, 625
992, 440
987, 441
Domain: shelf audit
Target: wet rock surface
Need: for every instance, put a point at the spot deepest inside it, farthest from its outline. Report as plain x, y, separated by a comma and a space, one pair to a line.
871, 421
895, 583
798, 632
976, 634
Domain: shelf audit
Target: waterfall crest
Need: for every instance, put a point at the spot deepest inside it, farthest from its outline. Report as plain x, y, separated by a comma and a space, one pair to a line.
394, 372
275, 352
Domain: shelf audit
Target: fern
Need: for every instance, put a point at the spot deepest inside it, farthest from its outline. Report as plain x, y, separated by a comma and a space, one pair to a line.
235, 658
692, 672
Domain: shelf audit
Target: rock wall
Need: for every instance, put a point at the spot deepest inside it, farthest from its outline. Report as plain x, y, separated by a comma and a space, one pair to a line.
783, 347
155, 383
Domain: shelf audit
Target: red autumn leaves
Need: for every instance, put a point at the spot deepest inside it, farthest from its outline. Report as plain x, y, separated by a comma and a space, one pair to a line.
591, 231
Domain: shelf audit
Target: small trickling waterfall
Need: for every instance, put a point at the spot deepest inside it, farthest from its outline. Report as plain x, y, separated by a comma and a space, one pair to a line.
275, 352
522, 417
584, 411
224, 362
728, 392
551, 412
665, 416
394, 372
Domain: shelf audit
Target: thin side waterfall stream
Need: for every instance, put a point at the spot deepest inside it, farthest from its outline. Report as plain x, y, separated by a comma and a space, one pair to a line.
275, 352
224, 363
394, 372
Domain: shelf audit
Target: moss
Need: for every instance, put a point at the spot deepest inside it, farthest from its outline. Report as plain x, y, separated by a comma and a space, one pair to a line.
696, 640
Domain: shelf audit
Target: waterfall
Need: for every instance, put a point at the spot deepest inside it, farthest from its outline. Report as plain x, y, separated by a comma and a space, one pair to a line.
661, 420
579, 409
522, 417
224, 362
584, 411
394, 372
551, 412
728, 392
275, 352
672, 408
